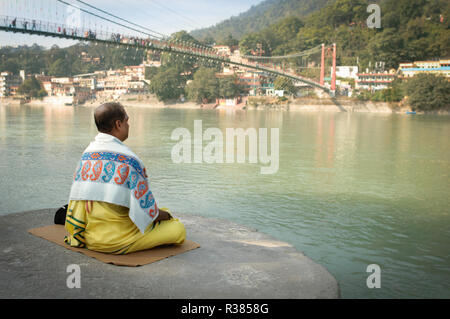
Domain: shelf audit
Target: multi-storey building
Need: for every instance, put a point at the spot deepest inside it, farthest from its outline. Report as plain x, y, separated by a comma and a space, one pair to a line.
9, 84
374, 81
441, 67
66, 89
137, 71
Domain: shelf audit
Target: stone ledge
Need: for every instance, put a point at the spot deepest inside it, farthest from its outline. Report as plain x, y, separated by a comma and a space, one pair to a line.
233, 262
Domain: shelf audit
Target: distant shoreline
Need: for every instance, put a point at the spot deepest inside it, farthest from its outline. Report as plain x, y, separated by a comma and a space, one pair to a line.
341, 104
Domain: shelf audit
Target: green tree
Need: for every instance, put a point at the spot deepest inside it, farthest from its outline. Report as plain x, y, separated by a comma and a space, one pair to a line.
428, 92
249, 42
209, 41
184, 64
395, 93
204, 86
183, 36
279, 37
167, 84
228, 87
283, 83
32, 88
59, 68
10, 65
229, 41
150, 72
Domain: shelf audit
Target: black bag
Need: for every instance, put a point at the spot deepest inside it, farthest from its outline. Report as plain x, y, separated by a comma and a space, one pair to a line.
60, 216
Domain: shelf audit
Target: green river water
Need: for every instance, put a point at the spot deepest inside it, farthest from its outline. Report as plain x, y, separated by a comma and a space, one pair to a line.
352, 189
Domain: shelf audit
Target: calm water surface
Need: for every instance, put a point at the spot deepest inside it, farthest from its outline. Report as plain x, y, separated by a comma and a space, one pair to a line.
351, 189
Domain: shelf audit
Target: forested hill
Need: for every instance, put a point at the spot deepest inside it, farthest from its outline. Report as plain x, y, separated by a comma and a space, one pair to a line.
258, 17
411, 30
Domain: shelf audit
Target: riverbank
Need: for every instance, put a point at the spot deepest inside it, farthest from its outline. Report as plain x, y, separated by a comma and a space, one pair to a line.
305, 104
343, 104
338, 104
233, 262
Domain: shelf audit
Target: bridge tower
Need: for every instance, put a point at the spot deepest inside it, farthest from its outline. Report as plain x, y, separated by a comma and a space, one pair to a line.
333, 73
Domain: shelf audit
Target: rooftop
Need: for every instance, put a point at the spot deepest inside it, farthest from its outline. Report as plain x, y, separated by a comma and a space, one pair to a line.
442, 68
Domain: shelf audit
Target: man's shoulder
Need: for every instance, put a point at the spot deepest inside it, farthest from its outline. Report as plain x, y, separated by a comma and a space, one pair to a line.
127, 158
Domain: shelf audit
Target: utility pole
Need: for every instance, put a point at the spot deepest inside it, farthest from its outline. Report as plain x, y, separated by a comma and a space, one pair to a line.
333, 74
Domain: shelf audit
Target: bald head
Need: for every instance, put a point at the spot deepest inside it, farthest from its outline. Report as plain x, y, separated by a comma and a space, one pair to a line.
107, 114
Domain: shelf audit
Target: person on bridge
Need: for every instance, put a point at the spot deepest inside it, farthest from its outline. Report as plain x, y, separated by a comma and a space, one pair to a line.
111, 207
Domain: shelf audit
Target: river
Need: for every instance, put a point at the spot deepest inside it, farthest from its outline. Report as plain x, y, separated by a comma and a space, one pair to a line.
352, 189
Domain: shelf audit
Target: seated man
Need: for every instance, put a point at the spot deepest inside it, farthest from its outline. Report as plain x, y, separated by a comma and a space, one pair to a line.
111, 208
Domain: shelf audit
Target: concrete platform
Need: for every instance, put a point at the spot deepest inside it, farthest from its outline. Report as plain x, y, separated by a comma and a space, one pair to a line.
232, 262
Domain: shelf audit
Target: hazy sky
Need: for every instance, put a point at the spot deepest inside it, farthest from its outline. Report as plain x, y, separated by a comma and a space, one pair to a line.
164, 16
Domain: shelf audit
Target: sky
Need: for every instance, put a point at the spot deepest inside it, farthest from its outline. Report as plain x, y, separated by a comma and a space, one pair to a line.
163, 16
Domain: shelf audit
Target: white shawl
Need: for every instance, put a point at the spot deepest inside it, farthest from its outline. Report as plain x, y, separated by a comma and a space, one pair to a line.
110, 172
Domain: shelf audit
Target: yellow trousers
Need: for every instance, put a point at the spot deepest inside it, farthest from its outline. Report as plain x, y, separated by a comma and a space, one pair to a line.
107, 228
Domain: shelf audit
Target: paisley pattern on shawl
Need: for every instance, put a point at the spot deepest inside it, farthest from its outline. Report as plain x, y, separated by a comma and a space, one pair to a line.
109, 171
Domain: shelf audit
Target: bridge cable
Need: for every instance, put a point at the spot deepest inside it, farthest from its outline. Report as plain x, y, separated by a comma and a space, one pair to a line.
303, 53
187, 19
96, 15
132, 23
164, 37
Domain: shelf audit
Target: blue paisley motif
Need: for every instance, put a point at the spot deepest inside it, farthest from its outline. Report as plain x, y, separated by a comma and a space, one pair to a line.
147, 201
109, 170
77, 174
132, 180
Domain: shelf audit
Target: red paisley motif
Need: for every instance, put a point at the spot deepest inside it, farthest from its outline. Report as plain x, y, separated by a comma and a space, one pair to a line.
96, 170
141, 189
122, 178
85, 170
153, 212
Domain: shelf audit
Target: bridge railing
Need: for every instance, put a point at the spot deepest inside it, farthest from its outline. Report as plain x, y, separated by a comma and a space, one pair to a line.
36, 25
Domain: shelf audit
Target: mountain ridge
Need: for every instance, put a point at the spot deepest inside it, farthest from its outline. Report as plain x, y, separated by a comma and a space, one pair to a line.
259, 17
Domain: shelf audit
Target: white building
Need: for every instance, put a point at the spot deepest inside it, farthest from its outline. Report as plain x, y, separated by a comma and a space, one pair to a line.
9, 84
374, 81
347, 72
223, 50
135, 71
441, 67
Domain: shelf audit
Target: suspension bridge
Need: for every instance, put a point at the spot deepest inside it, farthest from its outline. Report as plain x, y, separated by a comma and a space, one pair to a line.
64, 20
